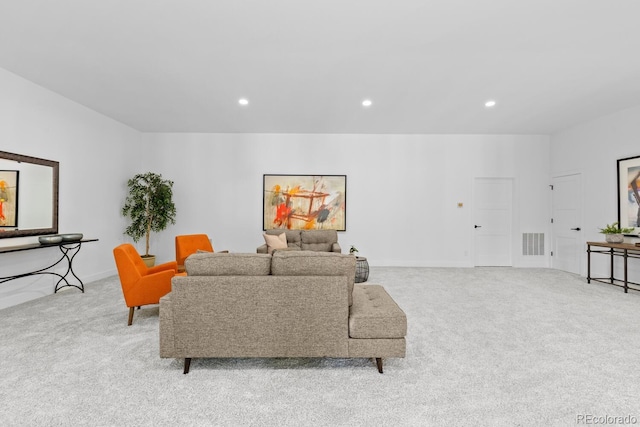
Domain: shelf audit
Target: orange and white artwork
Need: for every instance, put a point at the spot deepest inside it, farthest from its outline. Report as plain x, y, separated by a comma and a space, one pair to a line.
304, 202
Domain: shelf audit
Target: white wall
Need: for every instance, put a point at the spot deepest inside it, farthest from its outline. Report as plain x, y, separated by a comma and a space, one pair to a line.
592, 149
402, 190
96, 154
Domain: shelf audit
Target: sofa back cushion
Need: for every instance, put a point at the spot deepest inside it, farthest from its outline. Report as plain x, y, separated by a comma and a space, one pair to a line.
228, 264
301, 263
293, 236
253, 316
318, 240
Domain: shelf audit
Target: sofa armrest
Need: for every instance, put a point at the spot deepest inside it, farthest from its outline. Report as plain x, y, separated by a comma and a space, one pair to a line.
262, 249
167, 341
336, 248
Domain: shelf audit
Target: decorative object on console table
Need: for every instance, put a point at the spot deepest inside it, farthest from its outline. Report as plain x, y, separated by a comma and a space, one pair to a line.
71, 237
49, 240
150, 207
628, 193
614, 234
362, 269
353, 250
304, 202
614, 238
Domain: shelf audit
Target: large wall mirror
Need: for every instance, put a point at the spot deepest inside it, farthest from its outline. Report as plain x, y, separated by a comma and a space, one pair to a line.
28, 195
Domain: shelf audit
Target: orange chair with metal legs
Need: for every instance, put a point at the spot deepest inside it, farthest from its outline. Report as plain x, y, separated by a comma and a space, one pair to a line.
141, 285
188, 244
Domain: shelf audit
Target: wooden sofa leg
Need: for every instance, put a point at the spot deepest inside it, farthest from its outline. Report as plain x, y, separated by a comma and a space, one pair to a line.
130, 316
379, 364
187, 364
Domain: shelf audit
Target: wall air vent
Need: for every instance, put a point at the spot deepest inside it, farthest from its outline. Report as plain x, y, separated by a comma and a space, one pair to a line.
532, 243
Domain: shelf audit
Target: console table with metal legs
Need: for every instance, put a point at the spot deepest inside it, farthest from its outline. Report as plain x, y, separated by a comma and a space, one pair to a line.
623, 250
68, 251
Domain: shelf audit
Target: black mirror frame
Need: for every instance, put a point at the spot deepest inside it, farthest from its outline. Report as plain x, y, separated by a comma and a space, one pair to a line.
56, 175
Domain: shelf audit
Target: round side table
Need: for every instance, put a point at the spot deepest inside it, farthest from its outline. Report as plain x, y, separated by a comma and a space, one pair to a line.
362, 269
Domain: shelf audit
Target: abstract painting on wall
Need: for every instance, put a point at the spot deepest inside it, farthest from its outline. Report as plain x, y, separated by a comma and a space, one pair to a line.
304, 202
9, 198
629, 193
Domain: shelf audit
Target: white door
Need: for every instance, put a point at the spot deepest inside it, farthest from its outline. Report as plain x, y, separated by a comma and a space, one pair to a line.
568, 245
492, 215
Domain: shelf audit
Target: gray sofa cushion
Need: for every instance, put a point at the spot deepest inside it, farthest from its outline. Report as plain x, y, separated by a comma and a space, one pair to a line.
308, 263
288, 249
228, 264
318, 240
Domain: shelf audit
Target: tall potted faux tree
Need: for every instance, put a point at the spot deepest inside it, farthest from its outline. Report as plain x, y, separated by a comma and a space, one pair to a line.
150, 207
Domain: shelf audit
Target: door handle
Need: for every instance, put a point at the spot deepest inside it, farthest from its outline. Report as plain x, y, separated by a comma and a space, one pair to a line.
477, 226
576, 229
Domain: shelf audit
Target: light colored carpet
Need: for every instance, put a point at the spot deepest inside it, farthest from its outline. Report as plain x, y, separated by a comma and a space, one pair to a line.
485, 347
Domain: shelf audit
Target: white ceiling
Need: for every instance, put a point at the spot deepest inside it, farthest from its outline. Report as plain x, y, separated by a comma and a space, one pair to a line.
305, 66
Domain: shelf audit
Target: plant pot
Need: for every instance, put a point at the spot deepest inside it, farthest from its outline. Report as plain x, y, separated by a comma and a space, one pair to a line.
149, 260
614, 238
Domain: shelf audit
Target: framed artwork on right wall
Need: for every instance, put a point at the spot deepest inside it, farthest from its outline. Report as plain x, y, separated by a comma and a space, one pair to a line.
629, 193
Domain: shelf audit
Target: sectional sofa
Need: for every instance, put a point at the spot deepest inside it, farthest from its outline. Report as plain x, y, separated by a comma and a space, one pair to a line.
305, 240
289, 304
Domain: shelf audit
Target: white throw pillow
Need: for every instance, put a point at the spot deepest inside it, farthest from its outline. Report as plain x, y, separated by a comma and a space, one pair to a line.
275, 241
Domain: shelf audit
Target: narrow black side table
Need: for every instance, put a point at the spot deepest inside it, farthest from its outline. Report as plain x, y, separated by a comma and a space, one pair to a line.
68, 251
362, 269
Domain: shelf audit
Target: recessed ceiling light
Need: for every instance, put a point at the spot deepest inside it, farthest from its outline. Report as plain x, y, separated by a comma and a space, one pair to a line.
490, 103
367, 103
243, 101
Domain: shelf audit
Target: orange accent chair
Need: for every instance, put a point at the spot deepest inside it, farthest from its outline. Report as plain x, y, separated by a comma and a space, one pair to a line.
188, 244
141, 285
